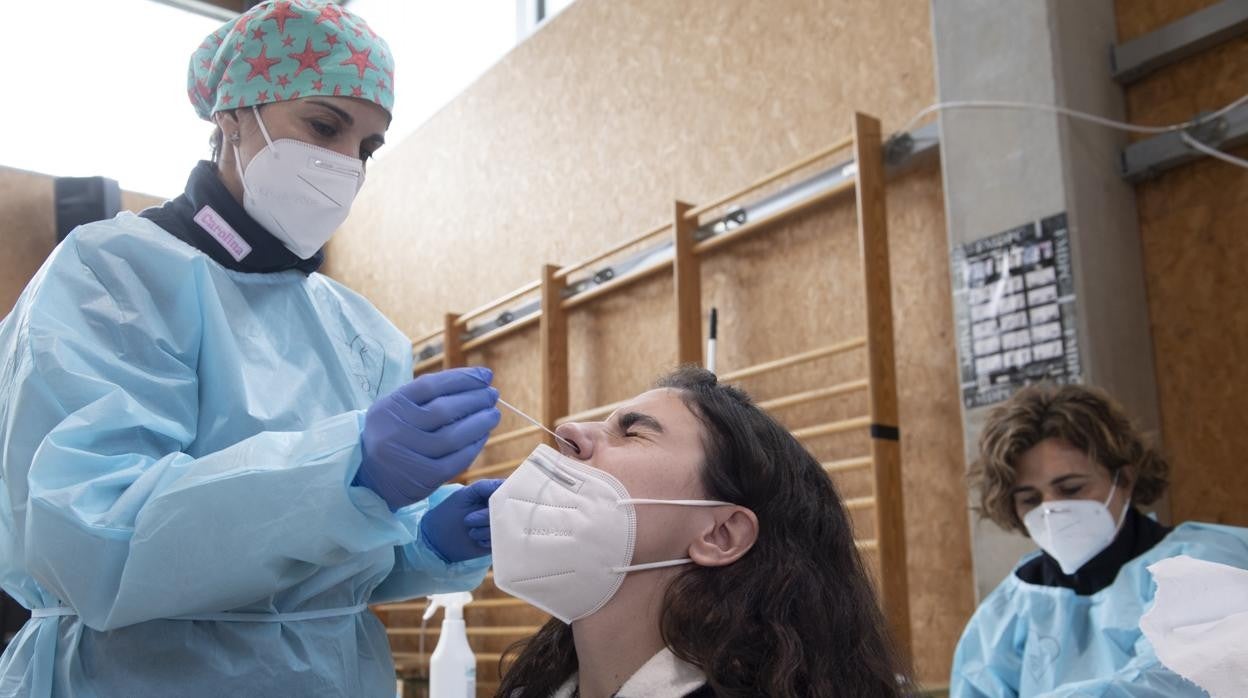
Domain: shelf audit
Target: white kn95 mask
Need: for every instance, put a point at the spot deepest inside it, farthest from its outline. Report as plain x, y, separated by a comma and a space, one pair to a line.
299, 192
563, 534
1073, 531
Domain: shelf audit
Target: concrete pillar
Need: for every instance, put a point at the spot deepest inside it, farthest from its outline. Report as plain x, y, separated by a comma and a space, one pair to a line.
1003, 169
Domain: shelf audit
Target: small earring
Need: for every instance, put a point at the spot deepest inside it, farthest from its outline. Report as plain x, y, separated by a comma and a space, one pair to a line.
234, 137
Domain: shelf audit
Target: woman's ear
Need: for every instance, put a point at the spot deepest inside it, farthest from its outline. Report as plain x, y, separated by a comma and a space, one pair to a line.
1126, 479
731, 534
227, 121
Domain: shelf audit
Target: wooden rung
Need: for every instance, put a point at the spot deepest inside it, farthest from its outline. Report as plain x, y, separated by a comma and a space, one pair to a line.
832, 428
812, 395
616, 284
402, 607
403, 660
867, 545
565, 271
757, 224
499, 332
483, 630
768, 179
860, 503
480, 310
509, 602
594, 414
492, 469
434, 361
427, 337
512, 435
416, 607
767, 367
840, 466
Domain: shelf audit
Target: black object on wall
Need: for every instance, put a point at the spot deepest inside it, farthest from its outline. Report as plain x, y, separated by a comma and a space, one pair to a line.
82, 200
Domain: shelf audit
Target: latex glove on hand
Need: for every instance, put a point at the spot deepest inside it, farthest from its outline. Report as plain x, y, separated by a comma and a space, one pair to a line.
458, 528
426, 433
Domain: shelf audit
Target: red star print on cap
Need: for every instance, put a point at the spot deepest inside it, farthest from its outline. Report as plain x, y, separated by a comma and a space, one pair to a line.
359, 59
261, 64
309, 59
281, 12
259, 48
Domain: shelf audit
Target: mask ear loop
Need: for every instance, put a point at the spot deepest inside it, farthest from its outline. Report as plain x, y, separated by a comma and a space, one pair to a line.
652, 566
677, 502
238, 159
264, 131
238, 165
1125, 505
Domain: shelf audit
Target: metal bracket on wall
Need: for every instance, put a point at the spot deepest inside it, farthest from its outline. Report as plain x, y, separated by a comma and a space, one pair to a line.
902, 152
1150, 157
1196, 32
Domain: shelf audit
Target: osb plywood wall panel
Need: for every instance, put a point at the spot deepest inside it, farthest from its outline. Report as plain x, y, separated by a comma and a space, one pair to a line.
585, 134
1137, 17
1195, 251
28, 227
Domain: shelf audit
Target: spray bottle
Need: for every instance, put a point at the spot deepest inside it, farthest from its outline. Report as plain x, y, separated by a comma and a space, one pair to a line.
453, 666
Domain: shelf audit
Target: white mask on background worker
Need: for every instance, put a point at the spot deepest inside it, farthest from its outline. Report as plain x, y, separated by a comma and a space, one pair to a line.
1073, 531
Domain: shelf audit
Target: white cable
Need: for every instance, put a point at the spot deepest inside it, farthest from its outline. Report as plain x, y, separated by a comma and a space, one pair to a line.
1085, 116
1073, 113
1213, 152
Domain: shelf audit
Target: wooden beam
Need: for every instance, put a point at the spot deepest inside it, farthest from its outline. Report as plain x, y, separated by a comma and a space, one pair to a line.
554, 349
688, 287
881, 371
452, 342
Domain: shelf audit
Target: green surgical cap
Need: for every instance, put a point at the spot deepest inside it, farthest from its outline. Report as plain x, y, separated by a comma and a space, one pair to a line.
287, 49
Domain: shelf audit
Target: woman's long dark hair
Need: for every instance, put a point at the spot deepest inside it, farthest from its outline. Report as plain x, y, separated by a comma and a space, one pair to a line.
796, 616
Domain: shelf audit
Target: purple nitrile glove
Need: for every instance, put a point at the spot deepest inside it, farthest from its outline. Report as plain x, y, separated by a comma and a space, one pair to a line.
425, 433
458, 528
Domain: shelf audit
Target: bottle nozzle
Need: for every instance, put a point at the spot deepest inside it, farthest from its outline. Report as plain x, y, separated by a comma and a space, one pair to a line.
453, 603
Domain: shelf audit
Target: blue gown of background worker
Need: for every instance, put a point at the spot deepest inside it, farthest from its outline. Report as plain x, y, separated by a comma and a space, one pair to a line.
1044, 633
210, 465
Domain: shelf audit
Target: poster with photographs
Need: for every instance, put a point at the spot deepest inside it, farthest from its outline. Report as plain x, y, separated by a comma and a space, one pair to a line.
1014, 305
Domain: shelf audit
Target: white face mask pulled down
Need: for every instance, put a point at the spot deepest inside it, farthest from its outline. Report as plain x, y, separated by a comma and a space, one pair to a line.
1073, 531
563, 534
299, 192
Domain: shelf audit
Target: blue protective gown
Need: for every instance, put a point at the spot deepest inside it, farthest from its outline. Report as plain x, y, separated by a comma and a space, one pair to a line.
1030, 640
177, 440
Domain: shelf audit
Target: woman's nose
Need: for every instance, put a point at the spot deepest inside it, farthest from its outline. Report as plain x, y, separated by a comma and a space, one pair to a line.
580, 435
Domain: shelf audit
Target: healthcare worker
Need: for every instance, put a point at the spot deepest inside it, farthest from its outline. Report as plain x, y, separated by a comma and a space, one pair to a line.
213, 457
1066, 467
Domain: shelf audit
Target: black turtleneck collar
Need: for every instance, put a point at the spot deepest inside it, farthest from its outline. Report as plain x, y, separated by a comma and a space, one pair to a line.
1137, 536
224, 230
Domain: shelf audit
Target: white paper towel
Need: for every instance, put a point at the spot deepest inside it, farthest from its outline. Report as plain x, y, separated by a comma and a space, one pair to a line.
1199, 623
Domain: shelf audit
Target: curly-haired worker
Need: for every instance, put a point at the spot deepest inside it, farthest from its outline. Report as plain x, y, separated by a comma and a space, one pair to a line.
1065, 466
